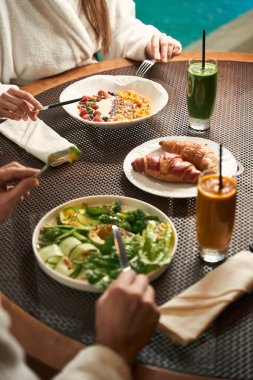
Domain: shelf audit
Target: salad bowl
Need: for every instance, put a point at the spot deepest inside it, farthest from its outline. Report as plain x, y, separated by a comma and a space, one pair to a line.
47, 238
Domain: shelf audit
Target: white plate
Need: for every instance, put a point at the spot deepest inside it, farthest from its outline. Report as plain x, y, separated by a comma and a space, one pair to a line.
91, 85
126, 203
171, 189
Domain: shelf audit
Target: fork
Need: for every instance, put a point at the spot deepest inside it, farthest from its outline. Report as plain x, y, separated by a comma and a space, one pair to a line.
144, 67
58, 104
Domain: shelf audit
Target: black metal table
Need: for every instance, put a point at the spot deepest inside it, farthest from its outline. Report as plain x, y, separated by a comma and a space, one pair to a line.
225, 349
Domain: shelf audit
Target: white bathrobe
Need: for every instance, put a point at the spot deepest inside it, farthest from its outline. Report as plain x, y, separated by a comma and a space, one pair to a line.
92, 363
44, 38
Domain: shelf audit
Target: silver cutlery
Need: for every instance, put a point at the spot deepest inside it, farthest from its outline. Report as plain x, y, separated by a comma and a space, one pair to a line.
120, 249
58, 104
144, 67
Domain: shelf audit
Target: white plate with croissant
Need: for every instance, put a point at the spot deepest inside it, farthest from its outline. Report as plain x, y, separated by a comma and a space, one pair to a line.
170, 166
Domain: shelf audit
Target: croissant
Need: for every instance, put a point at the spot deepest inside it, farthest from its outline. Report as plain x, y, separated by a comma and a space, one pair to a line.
199, 154
167, 167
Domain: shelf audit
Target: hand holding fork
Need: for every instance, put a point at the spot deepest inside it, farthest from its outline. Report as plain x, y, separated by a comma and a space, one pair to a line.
159, 49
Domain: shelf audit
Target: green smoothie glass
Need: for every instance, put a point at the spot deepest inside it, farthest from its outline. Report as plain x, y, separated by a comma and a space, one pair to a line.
201, 92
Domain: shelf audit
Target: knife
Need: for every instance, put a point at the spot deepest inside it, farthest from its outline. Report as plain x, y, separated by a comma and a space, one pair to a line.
120, 249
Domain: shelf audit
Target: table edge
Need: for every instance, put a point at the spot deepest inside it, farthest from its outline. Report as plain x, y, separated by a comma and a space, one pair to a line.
24, 326
42, 85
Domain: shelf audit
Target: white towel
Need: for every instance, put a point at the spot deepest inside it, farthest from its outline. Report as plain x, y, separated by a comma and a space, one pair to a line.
35, 137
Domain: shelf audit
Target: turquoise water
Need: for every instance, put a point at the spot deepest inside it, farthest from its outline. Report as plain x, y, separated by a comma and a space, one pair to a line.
185, 19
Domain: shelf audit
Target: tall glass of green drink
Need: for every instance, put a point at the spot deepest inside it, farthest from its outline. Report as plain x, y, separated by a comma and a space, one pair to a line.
201, 92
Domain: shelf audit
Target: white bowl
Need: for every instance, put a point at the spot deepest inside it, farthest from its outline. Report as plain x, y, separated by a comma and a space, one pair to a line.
126, 203
91, 85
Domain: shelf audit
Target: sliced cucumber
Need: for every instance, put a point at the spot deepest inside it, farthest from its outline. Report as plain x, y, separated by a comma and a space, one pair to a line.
68, 244
82, 251
63, 268
50, 251
53, 260
52, 266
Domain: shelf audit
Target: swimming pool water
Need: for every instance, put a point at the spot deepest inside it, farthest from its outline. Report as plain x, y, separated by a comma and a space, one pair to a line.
185, 19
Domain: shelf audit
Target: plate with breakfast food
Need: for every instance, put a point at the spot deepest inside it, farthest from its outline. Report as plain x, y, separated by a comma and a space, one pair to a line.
74, 245
114, 101
170, 166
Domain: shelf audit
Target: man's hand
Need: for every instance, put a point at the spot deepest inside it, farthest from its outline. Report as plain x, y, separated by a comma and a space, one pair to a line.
162, 48
16, 104
21, 179
126, 315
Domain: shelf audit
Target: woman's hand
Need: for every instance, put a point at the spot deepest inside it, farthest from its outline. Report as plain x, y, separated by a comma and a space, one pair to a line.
162, 48
16, 104
127, 315
21, 181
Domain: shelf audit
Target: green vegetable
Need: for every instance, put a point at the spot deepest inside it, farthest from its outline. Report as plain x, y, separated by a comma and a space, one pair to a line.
101, 270
76, 271
85, 248
51, 235
108, 246
80, 236
108, 219
116, 207
98, 210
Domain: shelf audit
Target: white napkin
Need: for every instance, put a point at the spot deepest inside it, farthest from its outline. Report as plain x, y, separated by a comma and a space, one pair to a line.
36, 137
188, 314
6, 87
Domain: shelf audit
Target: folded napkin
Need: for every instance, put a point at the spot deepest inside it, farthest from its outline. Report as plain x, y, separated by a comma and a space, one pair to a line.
35, 137
188, 314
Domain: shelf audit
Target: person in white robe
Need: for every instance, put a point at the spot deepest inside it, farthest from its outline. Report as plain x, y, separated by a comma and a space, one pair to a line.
39, 39
119, 336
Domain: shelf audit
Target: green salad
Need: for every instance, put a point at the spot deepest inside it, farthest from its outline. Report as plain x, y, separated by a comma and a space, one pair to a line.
80, 244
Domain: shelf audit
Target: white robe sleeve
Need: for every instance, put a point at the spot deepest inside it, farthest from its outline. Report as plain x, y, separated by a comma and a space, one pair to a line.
92, 363
96, 363
129, 35
12, 361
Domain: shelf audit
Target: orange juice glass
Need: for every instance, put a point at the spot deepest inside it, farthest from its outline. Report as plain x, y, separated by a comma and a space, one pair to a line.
215, 215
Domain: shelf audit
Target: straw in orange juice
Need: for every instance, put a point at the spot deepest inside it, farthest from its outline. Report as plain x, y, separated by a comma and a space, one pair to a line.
215, 215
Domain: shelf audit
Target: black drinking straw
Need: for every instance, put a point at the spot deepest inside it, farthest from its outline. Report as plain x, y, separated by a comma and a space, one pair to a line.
203, 48
220, 167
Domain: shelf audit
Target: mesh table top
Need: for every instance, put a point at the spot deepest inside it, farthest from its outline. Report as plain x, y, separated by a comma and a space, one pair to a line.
225, 349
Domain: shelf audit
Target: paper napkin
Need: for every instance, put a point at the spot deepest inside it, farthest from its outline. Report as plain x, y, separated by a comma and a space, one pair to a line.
6, 87
36, 137
188, 314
